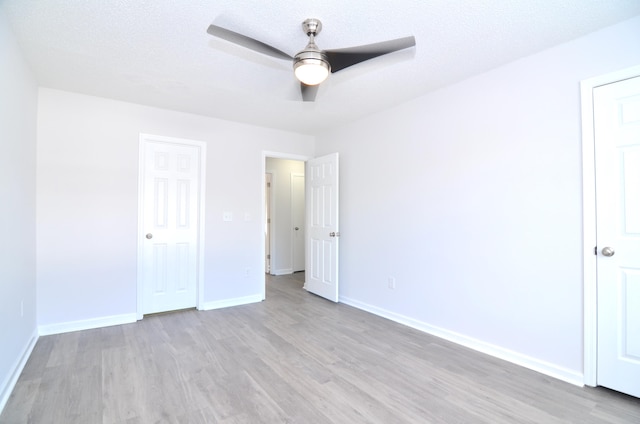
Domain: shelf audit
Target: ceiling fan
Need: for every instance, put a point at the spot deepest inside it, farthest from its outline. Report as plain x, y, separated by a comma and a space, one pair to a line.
312, 65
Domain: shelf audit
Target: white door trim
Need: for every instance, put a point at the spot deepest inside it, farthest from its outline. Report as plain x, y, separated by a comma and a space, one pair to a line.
274, 219
268, 212
276, 155
201, 217
589, 217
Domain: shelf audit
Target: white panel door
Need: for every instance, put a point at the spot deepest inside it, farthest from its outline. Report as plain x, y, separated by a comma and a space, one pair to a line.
297, 221
323, 233
171, 187
617, 140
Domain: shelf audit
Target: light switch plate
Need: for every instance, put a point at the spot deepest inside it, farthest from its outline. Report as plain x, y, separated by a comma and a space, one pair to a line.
227, 216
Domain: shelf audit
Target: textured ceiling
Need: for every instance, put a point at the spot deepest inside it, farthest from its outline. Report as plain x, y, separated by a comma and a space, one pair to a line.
158, 53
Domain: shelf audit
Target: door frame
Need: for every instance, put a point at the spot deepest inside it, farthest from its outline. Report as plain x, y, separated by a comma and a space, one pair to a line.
276, 155
589, 239
268, 228
201, 216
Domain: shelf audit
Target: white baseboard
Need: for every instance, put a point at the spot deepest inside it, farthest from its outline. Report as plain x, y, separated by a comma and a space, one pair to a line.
227, 303
285, 271
534, 364
87, 324
9, 384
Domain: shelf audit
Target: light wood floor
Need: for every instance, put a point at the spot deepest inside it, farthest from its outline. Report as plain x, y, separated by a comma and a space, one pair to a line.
294, 358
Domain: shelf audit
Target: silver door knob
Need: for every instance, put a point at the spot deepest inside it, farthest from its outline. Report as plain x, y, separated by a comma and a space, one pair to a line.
608, 251
149, 236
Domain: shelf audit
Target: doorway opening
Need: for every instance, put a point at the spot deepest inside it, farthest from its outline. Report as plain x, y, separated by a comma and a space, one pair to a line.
284, 215
321, 216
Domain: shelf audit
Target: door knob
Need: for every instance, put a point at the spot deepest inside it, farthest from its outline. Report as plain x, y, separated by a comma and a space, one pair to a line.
296, 228
608, 251
149, 236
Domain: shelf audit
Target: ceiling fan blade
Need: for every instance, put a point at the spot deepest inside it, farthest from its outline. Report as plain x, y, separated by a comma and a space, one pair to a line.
248, 42
343, 58
309, 92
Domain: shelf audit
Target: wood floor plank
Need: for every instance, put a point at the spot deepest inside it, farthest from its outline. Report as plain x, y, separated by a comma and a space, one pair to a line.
295, 358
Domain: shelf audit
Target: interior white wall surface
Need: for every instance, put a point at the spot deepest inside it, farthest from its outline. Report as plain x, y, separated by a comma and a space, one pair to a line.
471, 198
18, 108
88, 197
281, 218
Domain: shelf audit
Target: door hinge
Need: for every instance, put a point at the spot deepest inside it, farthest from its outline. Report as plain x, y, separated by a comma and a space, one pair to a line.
595, 250
268, 184
268, 256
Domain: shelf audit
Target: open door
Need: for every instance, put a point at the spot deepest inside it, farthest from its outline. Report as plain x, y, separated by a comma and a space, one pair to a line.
322, 226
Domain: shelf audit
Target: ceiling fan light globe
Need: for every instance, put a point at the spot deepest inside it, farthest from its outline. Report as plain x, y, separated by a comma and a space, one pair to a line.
311, 71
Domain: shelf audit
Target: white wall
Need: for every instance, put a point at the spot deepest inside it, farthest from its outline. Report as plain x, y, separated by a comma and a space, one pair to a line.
18, 97
471, 198
87, 203
281, 218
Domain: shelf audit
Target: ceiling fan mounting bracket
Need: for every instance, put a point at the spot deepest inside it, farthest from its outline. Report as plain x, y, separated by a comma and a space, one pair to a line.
312, 26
